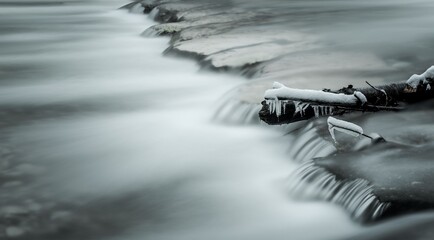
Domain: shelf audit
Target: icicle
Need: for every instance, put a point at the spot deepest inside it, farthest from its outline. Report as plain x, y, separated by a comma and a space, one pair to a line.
316, 110
275, 106
386, 96
331, 110
270, 104
305, 106
284, 105
327, 110
320, 110
300, 108
278, 107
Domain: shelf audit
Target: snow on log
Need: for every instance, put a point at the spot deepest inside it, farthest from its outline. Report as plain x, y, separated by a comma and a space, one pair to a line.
284, 105
281, 92
343, 126
424, 78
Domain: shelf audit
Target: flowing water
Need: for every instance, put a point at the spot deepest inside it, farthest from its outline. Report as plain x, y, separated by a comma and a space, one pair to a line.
104, 138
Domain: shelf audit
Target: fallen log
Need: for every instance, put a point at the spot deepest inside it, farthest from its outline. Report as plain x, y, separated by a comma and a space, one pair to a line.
284, 105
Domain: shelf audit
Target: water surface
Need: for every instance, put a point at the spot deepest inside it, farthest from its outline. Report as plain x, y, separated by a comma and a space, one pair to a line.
103, 137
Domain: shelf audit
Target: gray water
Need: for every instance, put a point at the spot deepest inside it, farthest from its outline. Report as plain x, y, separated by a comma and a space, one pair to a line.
104, 138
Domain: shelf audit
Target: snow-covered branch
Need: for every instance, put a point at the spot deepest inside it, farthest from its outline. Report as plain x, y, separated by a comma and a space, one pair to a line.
343, 126
281, 92
286, 105
425, 78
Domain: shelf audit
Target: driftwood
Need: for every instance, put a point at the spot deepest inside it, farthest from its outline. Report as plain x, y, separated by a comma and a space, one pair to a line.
287, 108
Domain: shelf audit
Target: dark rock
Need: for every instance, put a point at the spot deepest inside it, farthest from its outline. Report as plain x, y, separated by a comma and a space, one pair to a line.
401, 176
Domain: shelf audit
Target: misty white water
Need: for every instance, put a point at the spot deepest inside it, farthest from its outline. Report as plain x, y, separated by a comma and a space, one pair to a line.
99, 130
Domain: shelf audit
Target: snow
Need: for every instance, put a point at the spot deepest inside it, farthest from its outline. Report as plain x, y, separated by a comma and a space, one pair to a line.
277, 85
169, 28
343, 126
415, 79
280, 92
361, 97
385, 94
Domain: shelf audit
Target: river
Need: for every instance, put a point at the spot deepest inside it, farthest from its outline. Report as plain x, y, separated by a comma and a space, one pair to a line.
102, 137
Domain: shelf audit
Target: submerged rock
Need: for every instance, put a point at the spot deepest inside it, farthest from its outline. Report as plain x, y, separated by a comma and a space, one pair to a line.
401, 177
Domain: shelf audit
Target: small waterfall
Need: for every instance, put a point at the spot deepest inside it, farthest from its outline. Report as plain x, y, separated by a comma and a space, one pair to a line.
307, 144
235, 107
356, 196
314, 182
234, 111
134, 7
150, 33
310, 181
154, 13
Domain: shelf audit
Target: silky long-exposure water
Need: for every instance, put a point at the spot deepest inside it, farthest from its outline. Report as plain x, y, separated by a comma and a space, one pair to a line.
104, 138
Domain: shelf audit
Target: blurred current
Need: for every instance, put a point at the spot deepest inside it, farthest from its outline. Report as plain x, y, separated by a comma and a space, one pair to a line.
104, 138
